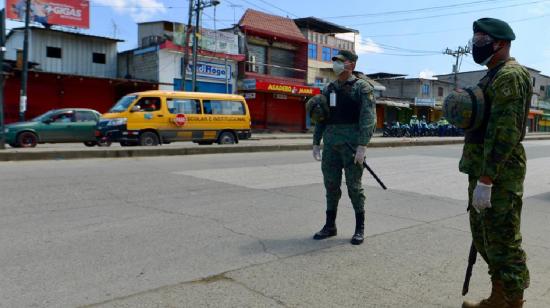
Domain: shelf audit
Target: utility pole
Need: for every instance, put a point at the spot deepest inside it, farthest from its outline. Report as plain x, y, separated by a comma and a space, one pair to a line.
195, 43
188, 30
25, 71
201, 4
2, 50
461, 51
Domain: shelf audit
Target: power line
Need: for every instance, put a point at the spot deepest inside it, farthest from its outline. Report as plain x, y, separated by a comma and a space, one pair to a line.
445, 15
453, 29
256, 6
280, 9
432, 8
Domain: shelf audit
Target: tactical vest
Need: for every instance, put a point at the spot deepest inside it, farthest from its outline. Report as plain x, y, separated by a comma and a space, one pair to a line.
477, 136
347, 108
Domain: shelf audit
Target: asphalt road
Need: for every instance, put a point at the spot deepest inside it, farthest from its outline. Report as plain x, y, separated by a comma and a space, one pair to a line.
234, 230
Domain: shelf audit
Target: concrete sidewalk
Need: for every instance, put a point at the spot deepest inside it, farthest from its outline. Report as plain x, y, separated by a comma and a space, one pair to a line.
265, 142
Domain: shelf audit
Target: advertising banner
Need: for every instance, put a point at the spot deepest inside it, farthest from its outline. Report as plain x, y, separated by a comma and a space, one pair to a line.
215, 41
70, 13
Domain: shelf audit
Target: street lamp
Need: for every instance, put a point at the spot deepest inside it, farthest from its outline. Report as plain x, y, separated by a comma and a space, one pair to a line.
201, 4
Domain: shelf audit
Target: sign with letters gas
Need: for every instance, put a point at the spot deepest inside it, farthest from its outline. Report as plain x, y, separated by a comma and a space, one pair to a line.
71, 13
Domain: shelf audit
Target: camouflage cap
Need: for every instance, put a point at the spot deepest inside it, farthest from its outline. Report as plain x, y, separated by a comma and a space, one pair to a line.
495, 28
344, 55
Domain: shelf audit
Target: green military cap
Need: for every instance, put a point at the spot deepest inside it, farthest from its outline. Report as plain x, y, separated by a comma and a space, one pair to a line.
344, 55
495, 28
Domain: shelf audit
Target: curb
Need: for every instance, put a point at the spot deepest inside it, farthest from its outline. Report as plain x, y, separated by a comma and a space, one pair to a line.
226, 149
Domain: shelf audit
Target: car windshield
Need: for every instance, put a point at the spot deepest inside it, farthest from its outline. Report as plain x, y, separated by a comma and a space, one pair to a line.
123, 103
44, 116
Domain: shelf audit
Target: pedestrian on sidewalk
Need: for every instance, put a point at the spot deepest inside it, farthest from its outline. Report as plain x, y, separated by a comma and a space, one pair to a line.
495, 161
351, 119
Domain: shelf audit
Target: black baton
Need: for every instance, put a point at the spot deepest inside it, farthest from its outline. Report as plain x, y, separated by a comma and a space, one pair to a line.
368, 168
471, 261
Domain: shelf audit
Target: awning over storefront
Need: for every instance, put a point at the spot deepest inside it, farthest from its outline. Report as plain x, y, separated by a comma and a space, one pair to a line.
393, 102
536, 111
264, 86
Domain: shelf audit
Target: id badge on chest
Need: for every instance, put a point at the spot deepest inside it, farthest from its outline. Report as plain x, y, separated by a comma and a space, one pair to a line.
332, 99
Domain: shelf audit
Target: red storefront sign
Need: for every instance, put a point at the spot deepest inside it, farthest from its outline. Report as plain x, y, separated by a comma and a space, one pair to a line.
72, 13
287, 89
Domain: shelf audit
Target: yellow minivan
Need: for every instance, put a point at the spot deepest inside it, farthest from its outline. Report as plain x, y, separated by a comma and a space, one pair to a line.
157, 117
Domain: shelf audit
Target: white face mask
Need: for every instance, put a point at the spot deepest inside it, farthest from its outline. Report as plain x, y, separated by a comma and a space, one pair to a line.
338, 67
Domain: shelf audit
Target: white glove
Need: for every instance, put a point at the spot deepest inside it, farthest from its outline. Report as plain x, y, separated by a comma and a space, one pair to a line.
317, 152
481, 198
360, 154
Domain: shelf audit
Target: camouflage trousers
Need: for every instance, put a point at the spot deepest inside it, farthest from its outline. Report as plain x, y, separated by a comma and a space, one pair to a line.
336, 158
497, 238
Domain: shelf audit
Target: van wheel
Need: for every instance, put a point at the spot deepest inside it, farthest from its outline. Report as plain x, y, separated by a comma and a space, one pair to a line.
148, 139
205, 142
226, 138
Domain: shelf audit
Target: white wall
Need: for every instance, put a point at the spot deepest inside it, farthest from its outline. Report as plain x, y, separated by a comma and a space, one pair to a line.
76, 52
170, 63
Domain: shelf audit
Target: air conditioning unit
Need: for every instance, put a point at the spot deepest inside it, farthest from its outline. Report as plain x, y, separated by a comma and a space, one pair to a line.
252, 67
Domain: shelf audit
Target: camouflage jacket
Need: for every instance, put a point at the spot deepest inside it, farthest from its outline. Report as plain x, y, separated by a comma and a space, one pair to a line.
355, 134
501, 156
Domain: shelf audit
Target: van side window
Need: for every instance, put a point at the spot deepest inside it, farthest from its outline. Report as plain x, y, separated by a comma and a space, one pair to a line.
186, 106
148, 104
223, 107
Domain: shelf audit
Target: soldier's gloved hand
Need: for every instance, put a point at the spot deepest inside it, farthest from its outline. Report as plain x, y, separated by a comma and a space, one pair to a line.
360, 154
317, 152
481, 198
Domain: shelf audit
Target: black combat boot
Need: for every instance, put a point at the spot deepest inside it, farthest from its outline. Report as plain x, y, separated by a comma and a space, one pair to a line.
329, 229
357, 238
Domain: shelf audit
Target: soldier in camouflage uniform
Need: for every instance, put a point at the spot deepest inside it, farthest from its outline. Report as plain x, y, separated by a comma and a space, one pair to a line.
495, 161
352, 119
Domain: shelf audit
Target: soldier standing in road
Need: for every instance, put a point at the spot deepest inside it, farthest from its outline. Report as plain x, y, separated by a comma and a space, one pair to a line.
495, 161
351, 119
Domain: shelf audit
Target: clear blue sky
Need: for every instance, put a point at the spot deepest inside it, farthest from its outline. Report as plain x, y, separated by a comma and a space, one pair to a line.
400, 36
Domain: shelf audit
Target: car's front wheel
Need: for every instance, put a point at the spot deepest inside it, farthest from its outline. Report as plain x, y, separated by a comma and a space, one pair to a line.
27, 140
90, 143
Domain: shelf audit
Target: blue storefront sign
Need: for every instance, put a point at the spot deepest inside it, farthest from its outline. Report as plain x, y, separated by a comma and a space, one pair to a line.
210, 70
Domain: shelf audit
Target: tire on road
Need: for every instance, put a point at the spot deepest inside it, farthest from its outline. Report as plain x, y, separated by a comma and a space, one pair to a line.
148, 139
227, 138
27, 140
90, 143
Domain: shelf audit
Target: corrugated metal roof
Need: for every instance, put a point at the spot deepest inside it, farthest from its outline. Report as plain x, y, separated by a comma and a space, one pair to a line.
32, 28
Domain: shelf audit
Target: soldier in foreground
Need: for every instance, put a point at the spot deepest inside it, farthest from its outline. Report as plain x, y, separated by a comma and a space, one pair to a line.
350, 117
495, 161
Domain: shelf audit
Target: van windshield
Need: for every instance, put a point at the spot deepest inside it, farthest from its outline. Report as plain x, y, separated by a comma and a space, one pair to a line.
123, 103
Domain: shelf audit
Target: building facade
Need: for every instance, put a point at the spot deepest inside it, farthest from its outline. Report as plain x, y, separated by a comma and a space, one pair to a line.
273, 78
66, 69
323, 44
159, 58
57, 51
404, 97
